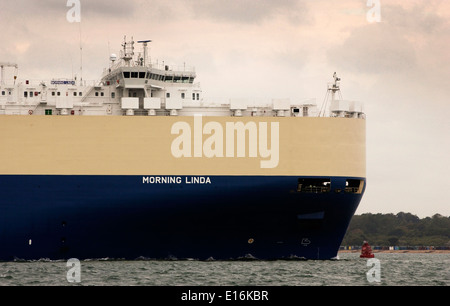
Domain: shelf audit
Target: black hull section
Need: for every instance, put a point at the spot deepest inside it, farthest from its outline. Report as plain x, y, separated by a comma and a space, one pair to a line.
131, 217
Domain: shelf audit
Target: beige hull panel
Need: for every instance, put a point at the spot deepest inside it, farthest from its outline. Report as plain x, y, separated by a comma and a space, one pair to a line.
115, 145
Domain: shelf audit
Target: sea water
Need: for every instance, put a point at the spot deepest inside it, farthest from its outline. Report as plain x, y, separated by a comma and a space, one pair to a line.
399, 269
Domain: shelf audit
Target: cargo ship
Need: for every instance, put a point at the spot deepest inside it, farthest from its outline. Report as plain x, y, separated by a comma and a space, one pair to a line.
141, 165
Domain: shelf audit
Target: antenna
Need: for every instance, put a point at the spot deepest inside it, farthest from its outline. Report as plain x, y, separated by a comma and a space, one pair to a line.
71, 62
128, 50
145, 44
333, 88
81, 58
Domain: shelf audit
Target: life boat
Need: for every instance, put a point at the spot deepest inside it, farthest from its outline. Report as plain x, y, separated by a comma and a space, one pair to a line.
366, 251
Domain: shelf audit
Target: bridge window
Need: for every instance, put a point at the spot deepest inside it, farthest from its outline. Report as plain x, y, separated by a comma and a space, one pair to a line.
134, 75
142, 75
126, 74
314, 185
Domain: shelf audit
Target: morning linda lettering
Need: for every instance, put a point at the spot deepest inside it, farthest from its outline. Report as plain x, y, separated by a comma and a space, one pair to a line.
176, 180
221, 142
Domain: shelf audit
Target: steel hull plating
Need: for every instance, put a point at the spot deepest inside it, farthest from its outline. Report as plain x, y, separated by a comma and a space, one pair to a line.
162, 187
130, 217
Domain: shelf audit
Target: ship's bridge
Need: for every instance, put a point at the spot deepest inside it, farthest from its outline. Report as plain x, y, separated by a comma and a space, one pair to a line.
151, 76
137, 72
139, 83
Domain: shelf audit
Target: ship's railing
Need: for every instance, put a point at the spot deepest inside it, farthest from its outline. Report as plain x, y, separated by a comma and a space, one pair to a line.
248, 102
164, 66
261, 102
160, 65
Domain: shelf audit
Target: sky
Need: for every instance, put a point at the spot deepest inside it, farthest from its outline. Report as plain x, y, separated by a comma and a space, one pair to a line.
391, 55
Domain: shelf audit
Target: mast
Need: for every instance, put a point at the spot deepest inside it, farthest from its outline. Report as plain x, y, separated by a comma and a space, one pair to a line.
81, 59
128, 50
333, 88
145, 44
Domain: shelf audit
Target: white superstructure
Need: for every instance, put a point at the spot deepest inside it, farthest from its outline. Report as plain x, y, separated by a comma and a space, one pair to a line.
134, 86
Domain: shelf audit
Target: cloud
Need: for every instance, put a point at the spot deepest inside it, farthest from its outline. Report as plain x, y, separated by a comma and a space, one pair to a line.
395, 45
250, 11
113, 8
373, 49
58, 8
421, 19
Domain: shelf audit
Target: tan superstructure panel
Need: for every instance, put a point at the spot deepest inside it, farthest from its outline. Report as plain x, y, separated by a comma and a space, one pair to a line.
114, 145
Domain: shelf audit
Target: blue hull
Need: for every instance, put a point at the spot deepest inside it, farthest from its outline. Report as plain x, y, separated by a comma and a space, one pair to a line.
128, 217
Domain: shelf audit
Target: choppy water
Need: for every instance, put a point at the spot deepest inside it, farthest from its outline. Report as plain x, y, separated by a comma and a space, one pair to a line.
394, 270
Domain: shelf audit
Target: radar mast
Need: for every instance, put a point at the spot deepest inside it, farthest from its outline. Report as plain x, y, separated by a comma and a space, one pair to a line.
145, 45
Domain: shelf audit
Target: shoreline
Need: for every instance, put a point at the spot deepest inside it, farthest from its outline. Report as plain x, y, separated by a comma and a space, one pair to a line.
400, 251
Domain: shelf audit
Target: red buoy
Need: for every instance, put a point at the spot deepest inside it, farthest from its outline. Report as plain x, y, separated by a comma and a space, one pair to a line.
366, 251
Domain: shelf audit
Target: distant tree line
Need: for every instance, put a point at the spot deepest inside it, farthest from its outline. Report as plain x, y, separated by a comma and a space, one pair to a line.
402, 229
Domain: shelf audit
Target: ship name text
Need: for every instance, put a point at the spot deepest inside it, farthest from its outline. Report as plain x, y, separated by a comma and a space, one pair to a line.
176, 180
